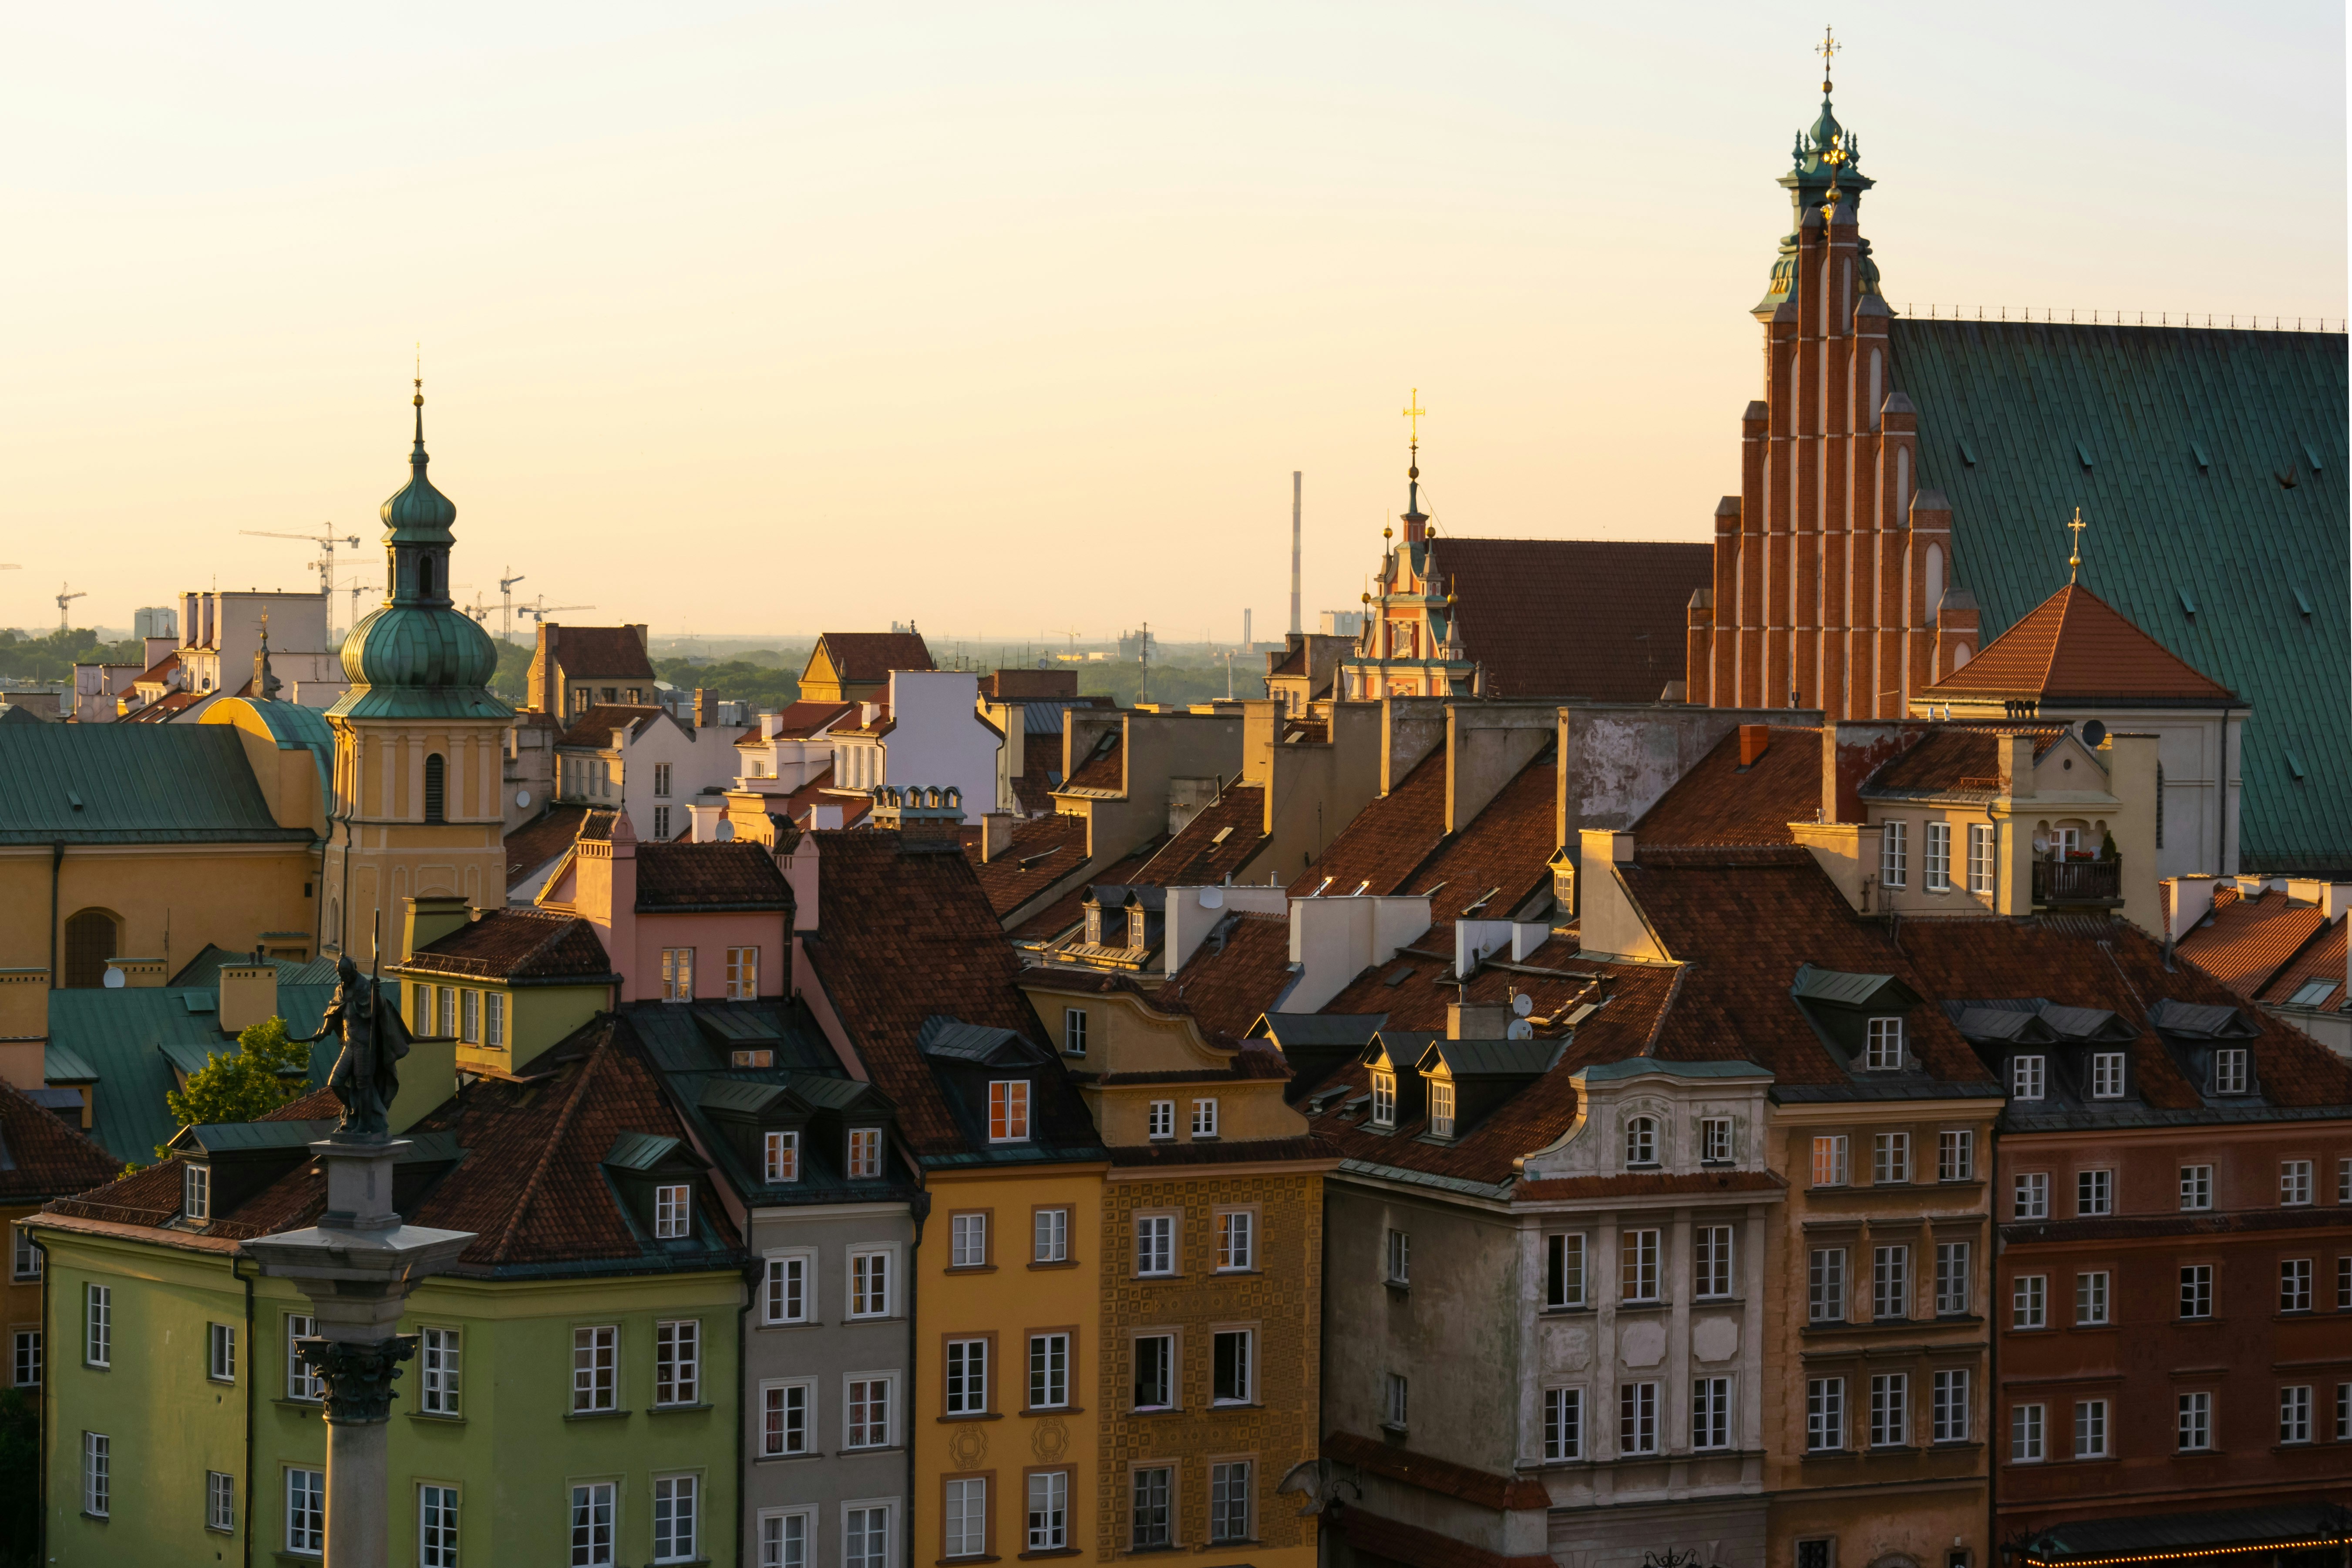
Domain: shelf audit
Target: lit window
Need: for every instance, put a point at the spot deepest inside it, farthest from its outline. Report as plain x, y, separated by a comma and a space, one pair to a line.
677, 975
1883, 1050
2025, 1077
1236, 1240
1205, 1119
764, 1057
677, 1362
2230, 1071
673, 1211
1936, 871
1642, 1141
1829, 1161
1008, 1111
742, 973
1384, 1100
1441, 1107
2295, 1183
864, 1157
2107, 1075
1161, 1123
1894, 856
781, 1157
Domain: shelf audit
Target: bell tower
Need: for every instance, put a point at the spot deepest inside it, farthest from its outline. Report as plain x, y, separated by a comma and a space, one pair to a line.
419, 738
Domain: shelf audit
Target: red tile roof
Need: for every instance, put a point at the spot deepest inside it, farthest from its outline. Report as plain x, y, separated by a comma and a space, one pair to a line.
2320, 959
161, 710
160, 669
1034, 785
541, 839
818, 791
728, 875
1070, 908
595, 728
2245, 940
798, 721
1386, 840
45, 1158
1045, 850
872, 655
1105, 770
1196, 856
2076, 648
1504, 851
1718, 802
601, 653
1230, 982
1599, 619
516, 943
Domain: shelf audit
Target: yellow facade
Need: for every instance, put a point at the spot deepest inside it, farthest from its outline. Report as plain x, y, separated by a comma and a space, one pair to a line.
383, 849
165, 901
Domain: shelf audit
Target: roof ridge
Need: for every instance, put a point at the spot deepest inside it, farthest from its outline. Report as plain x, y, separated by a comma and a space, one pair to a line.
538, 1177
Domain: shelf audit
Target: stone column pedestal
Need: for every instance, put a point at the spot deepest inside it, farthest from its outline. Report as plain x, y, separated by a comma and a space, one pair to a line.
358, 1266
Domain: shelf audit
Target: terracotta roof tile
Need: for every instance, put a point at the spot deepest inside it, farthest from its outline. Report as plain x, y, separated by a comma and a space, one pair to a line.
1504, 851
45, 1157
1197, 856
856, 807
541, 839
730, 875
1034, 785
1070, 908
1105, 770
594, 728
2244, 941
2076, 648
516, 943
1388, 839
872, 655
1718, 802
2321, 959
1430, 1473
800, 720
1045, 850
1236, 975
602, 653
1599, 619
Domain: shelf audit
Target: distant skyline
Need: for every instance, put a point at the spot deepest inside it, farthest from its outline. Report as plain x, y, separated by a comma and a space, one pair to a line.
1016, 318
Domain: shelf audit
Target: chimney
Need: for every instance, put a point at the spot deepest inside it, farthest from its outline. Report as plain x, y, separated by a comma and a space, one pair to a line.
249, 995
868, 713
431, 918
705, 709
644, 646
1297, 489
769, 724
1478, 1020
1753, 739
995, 834
705, 814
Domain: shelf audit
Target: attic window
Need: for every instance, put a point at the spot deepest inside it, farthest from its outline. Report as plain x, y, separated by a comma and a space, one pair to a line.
782, 1157
673, 1211
864, 1157
1384, 1100
2230, 1071
1441, 1107
1008, 1111
1642, 1141
761, 1059
196, 1193
1883, 1051
2107, 1075
2311, 993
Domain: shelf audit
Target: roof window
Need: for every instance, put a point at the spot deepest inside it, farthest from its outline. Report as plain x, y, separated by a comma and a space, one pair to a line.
2311, 993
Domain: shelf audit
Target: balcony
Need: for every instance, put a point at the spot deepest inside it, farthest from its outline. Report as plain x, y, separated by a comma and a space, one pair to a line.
2078, 882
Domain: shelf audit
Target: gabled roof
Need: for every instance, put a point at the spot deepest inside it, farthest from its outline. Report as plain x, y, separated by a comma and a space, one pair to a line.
1598, 619
1384, 842
1954, 759
1234, 976
1720, 803
1488, 868
872, 655
2320, 959
594, 729
41, 1157
2178, 445
513, 942
800, 720
1215, 844
735, 874
1104, 769
113, 784
1044, 849
2075, 647
2243, 942
1070, 909
541, 840
602, 653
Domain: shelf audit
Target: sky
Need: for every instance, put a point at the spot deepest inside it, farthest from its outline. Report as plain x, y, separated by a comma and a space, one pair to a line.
1015, 319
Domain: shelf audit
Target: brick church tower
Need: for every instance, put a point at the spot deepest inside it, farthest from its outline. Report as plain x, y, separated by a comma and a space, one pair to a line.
1830, 563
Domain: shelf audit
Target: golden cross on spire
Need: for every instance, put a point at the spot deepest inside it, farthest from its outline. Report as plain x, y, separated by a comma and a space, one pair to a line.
420, 375
1415, 412
2074, 561
1827, 47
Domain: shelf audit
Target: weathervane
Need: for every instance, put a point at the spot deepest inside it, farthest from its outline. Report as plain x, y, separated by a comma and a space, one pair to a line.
1828, 47
2074, 561
1414, 412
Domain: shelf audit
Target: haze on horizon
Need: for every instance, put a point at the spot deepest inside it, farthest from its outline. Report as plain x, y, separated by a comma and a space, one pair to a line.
1016, 318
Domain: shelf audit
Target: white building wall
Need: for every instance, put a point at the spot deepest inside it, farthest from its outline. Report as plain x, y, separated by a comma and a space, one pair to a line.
937, 737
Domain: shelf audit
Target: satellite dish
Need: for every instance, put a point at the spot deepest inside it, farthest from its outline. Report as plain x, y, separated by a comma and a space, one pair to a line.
726, 831
1212, 898
2094, 732
1522, 1004
522, 798
1521, 1029
114, 980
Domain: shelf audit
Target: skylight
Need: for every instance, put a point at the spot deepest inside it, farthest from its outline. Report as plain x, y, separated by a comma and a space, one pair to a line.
2311, 993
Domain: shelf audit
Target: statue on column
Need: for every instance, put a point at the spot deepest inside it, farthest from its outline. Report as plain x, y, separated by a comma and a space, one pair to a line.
366, 1074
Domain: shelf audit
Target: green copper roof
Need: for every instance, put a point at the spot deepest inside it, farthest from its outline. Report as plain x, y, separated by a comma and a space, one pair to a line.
2210, 465
132, 783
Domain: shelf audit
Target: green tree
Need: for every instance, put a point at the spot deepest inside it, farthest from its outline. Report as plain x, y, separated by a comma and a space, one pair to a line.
245, 1085
20, 1470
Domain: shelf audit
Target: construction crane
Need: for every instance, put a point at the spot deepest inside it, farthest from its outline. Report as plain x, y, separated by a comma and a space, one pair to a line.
355, 587
1074, 634
64, 599
326, 544
505, 606
540, 611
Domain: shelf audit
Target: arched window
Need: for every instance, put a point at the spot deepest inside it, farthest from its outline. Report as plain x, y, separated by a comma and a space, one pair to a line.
1934, 577
1960, 655
425, 576
436, 773
1642, 1141
92, 936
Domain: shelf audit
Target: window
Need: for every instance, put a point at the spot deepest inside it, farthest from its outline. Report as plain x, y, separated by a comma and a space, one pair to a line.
2294, 1285
1073, 1039
1399, 1401
220, 1352
1050, 1241
1825, 1414
447, 1028
98, 1325
2344, 1412
469, 1023
2025, 1435
2294, 1414
677, 975
1229, 1501
1890, 1281
2029, 1301
1890, 1158
2295, 1183
302, 1381
196, 1192
1980, 858
2026, 1076
678, 1361
2197, 1290
1441, 1107
2344, 1181
1231, 1368
785, 1298
1951, 1279
1205, 1119
1890, 1417
1150, 1525
967, 1377
781, 1157
591, 1525
1564, 1271
742, 973
1637, 1274
1642, 1141
439, 1350
673, 1208
1637, 1418
1715, 1140
1711, 1261
1563, 1414
661, 823
1236, 1241
2090, 1428
785, 1419
964, 1521
1400, 1257
2094, 1192
865, 1413
1049, 1511
1008, 1111
1155, 1372
1935, 865
2230, 1071
220, 1500
968, 1241
2344, 1284
24, 1357
2194, 1422
1711, 1413
1826, 1303
869, 1284
595, 1357
26, 1262
1384, 1100
436, 1527
865, 1536
1956, 1156
2311, 993
494, 1020
1049, 1371
96, 1474
1894, 855
1161, 1119
306, 1511
1948, 1407
436, 767
2107, 1075
661, 778
2090, 1288
2196, 1187
1829, 1161
863, 1161
1155, 1244
2030, 1199
1882, 1046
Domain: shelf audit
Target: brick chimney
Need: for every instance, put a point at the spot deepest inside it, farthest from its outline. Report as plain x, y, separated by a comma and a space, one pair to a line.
1753, 739
705, 709
996, 833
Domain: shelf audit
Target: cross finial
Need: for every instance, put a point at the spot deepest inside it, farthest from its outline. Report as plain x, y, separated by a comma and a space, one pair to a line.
1826, 48
1414, 412
2074, 561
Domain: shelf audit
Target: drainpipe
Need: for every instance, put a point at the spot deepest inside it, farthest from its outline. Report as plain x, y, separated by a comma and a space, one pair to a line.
48, 1400
918, 1208
1992, 1348
57, 866
252, 1381
743, 1410
2221, 805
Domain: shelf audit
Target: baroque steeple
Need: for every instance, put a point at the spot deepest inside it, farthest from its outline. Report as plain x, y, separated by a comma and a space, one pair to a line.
1825, 182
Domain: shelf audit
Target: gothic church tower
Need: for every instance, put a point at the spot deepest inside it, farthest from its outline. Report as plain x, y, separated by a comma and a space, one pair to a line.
419, 739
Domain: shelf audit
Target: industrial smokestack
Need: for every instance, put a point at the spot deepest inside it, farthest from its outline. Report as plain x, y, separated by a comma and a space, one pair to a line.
1298, 485
1246, 631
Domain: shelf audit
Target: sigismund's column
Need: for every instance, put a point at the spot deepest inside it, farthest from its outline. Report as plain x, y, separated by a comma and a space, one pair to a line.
358, 1265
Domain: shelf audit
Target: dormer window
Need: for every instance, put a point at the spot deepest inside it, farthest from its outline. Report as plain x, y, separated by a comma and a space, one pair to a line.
196, 1193
1883, 1050
1205, 1119
1135, 927
1441, 1107
1008, 1111
759, 1058
1642, 1141
673, 1211
1161, 1121
2107, 1075
1384, 1100
864, 1161
782, 1157
2026, 1076
2230, 1071
1094, 926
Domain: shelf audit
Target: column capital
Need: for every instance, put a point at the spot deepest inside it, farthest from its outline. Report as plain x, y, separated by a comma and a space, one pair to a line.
359, 1374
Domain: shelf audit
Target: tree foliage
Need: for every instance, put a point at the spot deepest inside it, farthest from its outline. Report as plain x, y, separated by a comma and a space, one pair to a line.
246, 1084
53, 656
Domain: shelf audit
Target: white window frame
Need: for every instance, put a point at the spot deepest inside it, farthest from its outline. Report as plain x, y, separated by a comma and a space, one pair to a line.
1046, 1518
1712, 1251
788, 1289
220, 1352
1155, 1246
1714, 1141
1825, 1301
1641, 1142
1384, 1097
1008, 1109
2092, 1437
98, 1475
2029, 1301
2196, 1291
1563, 1417
1890, 1159
968, 1239
2095, 1193
26, 1356
1441, 1108
871, 1282
1956, 1154
596, 1380
26, 1263
2192, 1428
2296, 1185
1829, 1165
1641, 1265
1170, 1386
1936, 870
2230, 1071
220, 1501
1204, 1118
594, 1522
494, 1020
1231, 1501
97, 1326
2029, 1075
2030, 1195
1881, 1049
1894, 853
1710, 1412
1049, 1371
196, 1192
437, 1516
1949, 1416
677, 1363
2108, 1075
851, 1405
1566, 1279
963, 1517
440, 1356
673, 1211
743, 974
1890, 1281
2196, 1188
303, 1386
2027, 1433
1049, 1236
1890, 1409
787, 1426
1159, 1120
469, 1016
862, 1159
1236, 1241
1244, 1344
964, 1381
1954, 1283
2294, 1284
678, 974
2094, 1298
1074, 1031
304, 1492
780, 1156
1981, 859
1825, 1414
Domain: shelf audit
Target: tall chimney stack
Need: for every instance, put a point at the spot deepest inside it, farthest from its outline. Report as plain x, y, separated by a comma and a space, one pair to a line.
1297, 484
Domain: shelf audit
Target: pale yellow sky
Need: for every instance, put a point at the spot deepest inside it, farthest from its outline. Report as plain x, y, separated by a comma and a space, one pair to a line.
771, 318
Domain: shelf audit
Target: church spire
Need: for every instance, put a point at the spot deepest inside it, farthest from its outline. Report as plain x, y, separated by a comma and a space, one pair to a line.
1825, 184
1415, 522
